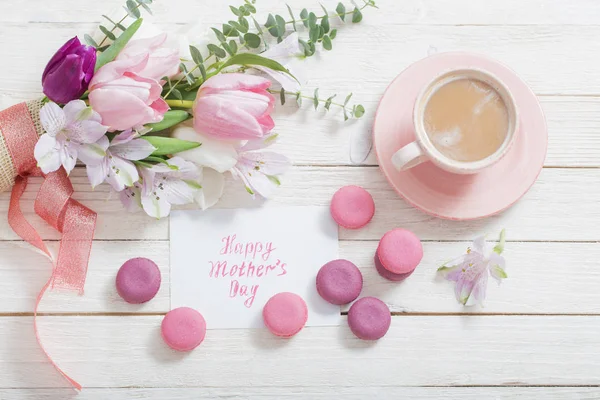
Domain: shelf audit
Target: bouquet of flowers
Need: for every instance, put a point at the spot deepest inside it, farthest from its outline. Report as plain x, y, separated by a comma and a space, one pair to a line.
108, 100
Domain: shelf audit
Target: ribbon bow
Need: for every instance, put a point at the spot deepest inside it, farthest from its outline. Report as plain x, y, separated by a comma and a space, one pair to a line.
53, 203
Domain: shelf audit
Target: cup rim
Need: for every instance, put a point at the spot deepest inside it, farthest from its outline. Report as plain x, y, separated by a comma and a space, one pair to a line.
447, 163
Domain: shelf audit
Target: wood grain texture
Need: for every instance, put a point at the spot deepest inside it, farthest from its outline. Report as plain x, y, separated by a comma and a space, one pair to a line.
314, 393
420, 350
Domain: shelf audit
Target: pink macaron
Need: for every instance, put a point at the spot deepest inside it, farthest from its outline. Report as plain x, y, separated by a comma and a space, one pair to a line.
369, 318
138, 280
339, 282
183, 329
399, 252
352, 207
285, 314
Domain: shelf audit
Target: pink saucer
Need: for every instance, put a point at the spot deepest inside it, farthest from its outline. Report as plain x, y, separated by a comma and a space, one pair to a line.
443, 194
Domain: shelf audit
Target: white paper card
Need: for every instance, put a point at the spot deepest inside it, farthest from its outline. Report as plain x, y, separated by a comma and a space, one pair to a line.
228, 263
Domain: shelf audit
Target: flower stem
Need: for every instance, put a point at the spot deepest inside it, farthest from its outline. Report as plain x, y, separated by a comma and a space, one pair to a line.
115, 26
306, 97
180, 103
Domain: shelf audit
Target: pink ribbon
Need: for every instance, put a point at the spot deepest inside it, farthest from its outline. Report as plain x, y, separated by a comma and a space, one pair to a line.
55, 205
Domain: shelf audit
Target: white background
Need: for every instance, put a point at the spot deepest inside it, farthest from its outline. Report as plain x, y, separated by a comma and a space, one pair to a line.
539, 330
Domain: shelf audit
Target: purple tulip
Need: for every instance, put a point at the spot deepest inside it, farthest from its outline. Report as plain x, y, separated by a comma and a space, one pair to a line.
69, 72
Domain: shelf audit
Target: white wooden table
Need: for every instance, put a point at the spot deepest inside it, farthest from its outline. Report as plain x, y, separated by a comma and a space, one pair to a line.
537, 337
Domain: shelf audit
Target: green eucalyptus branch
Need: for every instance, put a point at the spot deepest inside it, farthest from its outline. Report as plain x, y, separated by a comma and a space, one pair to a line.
356, 111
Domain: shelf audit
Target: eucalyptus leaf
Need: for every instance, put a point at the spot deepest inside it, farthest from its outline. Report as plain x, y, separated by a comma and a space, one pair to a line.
321, 32
132, 9
220, 37
257, 26
316, 98
292, 16
341, 10
333, 34
115, 48
233, 45
228, 48
145, 6
324, 9
313, 34
196, 55
188, 77
235, 11
166, 146
144, 1
244, 22
327, 45
108, 33
282, 96
217, 51
304, 17
328, 102
170, 119
255, 59
177, 94
299, 99
229, 31
252, 40
305, 47
271, 26
202, 71
357, 16
280, 25
359, 111
347, 99
312, 20
325, 24
90, 41
238, 26
250, 8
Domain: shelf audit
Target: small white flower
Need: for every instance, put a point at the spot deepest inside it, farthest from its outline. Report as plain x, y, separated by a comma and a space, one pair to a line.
71, 133
116, 166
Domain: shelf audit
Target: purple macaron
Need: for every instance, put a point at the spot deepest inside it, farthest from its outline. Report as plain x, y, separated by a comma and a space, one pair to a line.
369, 318
339, 282
138, 280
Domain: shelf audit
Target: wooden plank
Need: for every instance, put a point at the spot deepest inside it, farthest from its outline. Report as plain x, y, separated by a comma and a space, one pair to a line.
539, 216
104, 352
426, 12
312, 393
544, 278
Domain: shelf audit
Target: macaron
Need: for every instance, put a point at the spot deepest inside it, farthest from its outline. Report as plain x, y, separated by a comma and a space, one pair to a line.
183, 329
285, 314
399, 252
352, 207
339, 282
138, 280
387, 274
369, 318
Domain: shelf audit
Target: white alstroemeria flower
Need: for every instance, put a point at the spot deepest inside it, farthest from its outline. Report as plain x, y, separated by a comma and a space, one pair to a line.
71, 133
213, 158
284, 53
173, 183
116, 166
259, 170
470, 271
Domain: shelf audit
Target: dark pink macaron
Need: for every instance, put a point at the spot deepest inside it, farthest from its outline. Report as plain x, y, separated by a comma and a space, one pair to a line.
339, 282
400, 251
285, 314
387, 274
352, 207
183, 329
138, 280
369, 318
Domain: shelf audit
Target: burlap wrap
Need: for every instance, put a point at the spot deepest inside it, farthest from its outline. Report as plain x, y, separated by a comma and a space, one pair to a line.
8, 171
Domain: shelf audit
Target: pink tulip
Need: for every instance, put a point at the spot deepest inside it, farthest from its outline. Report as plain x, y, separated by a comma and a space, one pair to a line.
162, 59
234, 106
123, 98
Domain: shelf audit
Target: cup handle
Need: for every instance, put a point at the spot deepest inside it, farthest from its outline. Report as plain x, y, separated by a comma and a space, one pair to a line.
409, 156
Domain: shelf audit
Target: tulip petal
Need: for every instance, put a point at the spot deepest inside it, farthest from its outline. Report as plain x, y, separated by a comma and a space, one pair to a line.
115, 69
120, 110
236, 81
220, 155
65, 82
53, 119
47, 154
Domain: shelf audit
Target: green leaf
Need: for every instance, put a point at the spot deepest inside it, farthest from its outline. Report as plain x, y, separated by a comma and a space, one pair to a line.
312, 20
305, 47
256, 25
228, 48
328, 102
304, 17
299, 99
333, 34
132, 9
108, 33
271, 26
90, 41
115, 48
233, 45
359, 111
316, 98
357, 16
325, 24
327, 45
177, 94
250, 8
145, 6
244, 22
196, 55
280, 25
220, 37
165, 145
252, 40
499, 248
292, 16
321, 32
117, 24
255, 59
345, 115
145, 1
202, 71
347, 99
217, 51
341, 10
229, 31
324, 9
235, 11
188, 77
245, 10
239, 27
282, 96
313, 35
170, 119
158, 160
